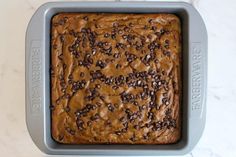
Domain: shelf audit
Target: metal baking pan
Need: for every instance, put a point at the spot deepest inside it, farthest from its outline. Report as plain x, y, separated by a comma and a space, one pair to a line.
194, 73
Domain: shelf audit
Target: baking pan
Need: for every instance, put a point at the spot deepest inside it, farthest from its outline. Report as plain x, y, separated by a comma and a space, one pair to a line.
194, 73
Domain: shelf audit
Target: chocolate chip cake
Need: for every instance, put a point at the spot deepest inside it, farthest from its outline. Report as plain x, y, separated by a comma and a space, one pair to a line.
115, 78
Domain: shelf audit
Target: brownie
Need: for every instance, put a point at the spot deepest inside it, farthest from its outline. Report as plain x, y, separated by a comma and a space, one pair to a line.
115, 78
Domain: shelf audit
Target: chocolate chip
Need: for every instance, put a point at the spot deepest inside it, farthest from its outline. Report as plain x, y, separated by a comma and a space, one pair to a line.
98, 86
108, 50
110, 107
137, 127
106, 35
120, 46
109, 80
105, 43
83, 30
157, 78
62, 21
82, 74
150, 21
126, 29
145, 136
100, 44
148, 125
78, 85
80, 124
166, 53
99, 104
92, 94
92, 80
80, 62
130, 37
116, 55
163, 81
85, 18
156, 84
142, 107
152, 104
125, 124
94, 107
95, 117
102, 97
151, 93
119, 80
127, 97
124, 37
89, 106
72, 33
120, 31
62, 84
150, 115
115, 87
118, 132
132, 117
154, 28
162, 31
166, 46
168, 111
113, 36
128, 111
101, 64
169, 122
71, 48
62, 38
122, 119
138, 46
118, 66
151, 72
147, 58
135, 103
143, 95
88, 59
133, 139
173, 123
108, 123
165, 101
96, 75
145, 86
94, 51
130, 57
131, 24
157, 126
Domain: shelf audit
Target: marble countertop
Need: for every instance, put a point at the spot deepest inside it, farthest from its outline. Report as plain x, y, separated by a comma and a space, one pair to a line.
219, 137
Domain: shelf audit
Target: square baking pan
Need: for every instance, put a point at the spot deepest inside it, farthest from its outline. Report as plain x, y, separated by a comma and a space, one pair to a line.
194, 77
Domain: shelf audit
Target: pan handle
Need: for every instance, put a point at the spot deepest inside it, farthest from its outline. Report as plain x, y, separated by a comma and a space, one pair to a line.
197, 75
35, 78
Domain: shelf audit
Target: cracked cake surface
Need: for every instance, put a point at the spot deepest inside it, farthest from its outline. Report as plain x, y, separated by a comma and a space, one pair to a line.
115, 78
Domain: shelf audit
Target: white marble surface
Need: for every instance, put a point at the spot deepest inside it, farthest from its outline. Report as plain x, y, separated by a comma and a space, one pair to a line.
219, 138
